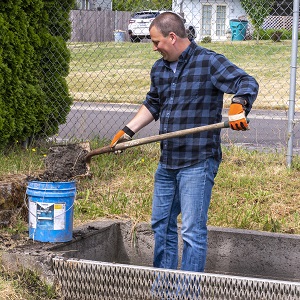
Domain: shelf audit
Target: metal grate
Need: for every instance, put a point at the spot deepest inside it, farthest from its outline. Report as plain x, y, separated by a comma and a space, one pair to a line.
83, 279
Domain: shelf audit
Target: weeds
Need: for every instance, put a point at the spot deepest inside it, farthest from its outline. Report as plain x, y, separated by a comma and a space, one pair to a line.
25, 284
22, 161
253, 190
256, 191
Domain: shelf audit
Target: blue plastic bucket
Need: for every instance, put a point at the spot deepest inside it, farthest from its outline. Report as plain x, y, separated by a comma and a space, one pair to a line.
238, 29
50, 206
119, 36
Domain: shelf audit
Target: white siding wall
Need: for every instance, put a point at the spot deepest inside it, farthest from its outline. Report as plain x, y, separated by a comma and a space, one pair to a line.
192, 10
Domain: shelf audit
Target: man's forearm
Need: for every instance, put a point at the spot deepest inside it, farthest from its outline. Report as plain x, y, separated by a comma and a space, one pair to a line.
142, 118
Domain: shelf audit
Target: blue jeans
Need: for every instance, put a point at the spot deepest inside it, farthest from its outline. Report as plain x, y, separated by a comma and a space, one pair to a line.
186, 191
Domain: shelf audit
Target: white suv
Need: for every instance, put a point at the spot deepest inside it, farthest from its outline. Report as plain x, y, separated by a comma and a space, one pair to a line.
139, 23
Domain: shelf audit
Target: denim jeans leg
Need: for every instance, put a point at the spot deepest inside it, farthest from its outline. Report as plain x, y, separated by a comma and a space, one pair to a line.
195, 186
165, 210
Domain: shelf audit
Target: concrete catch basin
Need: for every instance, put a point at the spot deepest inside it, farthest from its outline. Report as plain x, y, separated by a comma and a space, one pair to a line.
231, 252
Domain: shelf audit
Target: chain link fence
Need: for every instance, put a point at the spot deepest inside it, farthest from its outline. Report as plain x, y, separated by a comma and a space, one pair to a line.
111, 58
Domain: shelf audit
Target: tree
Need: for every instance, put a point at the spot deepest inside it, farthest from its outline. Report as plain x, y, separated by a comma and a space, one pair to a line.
34, 64
257, 10
137, 5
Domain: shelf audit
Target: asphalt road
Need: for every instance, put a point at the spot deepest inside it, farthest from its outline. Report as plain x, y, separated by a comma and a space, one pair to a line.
268, 128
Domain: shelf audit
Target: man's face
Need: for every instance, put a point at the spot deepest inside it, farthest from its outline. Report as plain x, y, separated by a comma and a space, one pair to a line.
164, 45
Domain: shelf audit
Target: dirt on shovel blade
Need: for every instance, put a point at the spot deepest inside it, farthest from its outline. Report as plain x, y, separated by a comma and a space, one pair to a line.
65, 162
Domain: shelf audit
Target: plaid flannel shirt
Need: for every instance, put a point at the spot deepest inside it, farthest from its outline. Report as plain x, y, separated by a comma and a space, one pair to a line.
192, 97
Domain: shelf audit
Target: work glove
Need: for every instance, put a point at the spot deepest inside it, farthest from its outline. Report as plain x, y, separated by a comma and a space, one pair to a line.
123, 135
236, 114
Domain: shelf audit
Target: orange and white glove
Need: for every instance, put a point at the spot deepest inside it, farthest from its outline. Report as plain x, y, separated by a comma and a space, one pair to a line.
236, 114
122, 136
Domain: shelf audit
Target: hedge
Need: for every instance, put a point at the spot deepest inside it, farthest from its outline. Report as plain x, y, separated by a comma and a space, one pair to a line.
34, 63
267, 34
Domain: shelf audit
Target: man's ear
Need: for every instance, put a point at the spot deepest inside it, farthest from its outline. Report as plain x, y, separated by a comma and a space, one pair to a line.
172, 36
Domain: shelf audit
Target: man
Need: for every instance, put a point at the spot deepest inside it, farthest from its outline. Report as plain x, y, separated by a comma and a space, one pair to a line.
187, 87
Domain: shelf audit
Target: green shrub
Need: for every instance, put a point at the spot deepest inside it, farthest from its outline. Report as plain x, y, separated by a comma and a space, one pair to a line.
206, 40
269, 34
55, 64
34, 62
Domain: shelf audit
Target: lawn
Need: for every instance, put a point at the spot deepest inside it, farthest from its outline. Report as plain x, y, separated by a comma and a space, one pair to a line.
253, 190
119, 72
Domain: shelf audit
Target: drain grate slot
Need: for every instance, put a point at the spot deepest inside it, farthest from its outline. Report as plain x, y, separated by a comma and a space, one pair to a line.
84, 279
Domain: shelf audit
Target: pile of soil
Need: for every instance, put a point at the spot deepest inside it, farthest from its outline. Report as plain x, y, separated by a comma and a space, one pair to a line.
64, 163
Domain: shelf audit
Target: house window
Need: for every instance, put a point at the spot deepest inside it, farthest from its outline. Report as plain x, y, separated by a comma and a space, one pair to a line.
214, 19
206, 20
220, 20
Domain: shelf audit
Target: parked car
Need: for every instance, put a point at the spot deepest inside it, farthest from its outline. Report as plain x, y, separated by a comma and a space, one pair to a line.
139, 23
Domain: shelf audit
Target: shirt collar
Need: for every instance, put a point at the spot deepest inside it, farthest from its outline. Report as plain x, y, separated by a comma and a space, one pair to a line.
187, 52
184, 56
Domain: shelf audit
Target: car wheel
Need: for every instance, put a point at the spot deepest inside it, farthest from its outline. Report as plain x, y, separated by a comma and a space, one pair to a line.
135, 39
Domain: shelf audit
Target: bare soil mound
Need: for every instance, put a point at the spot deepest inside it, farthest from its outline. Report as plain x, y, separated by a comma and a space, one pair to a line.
64, 163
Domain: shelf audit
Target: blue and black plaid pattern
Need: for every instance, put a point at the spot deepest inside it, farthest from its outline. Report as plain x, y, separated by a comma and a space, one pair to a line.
192, 97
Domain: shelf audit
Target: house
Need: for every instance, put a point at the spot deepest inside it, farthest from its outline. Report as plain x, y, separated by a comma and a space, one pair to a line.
212, 17
94, 4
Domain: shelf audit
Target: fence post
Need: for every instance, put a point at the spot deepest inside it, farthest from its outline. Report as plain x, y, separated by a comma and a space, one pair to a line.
293, 75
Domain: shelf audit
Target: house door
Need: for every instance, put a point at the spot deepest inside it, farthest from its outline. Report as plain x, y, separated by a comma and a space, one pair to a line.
214, 21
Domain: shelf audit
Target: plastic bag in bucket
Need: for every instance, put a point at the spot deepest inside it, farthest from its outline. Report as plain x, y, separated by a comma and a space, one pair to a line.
51, 210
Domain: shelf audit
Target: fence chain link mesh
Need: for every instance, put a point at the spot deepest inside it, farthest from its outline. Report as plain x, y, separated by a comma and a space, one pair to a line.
108, 80
109, 70
85, 280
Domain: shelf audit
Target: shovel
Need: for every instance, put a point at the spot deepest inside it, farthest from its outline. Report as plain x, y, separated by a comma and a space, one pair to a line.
152, 139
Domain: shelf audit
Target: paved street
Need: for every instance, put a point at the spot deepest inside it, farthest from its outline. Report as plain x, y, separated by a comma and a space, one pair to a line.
89, 120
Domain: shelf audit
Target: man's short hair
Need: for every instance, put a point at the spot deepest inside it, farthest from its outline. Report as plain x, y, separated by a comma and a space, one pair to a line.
169, 22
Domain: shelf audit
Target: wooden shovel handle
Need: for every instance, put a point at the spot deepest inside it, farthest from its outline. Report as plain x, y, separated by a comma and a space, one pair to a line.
154, 138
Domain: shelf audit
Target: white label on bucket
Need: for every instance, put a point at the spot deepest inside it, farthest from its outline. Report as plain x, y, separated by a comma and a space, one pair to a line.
32, 214
48, 216
59, 216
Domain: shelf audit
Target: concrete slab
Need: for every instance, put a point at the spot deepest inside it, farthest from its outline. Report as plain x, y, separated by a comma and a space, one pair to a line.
230, 251
254, 254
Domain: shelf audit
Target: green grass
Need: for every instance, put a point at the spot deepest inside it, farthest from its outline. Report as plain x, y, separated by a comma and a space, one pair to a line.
119, 72
256, 191
16, 161
24, 284
253, 190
